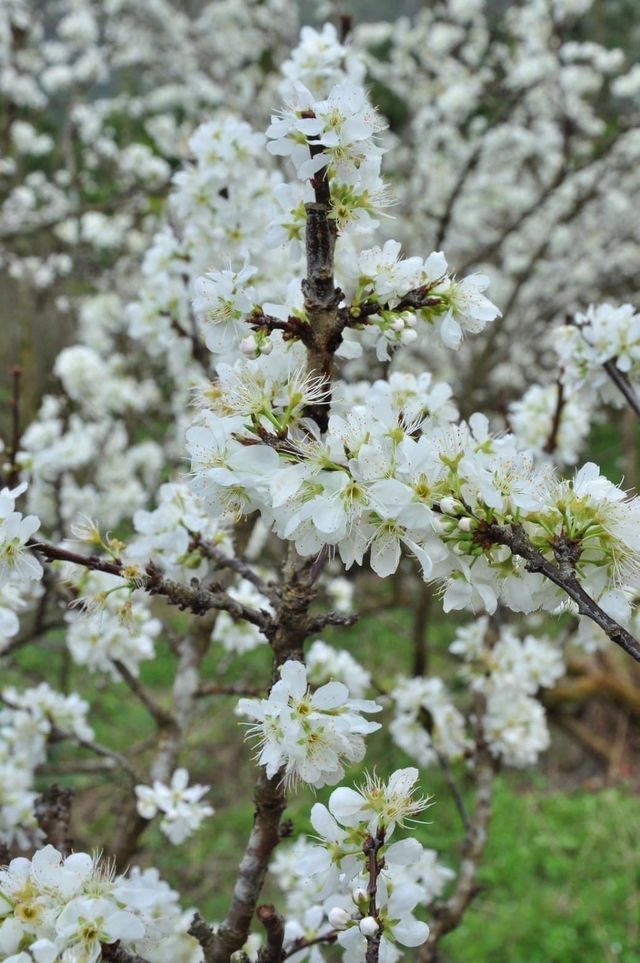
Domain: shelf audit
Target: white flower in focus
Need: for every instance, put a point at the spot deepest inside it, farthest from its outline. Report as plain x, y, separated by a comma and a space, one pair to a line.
469, 310
379, 804
221, 301
17, 563
309, 735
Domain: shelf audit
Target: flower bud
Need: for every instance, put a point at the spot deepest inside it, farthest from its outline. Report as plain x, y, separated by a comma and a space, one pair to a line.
409, 335
449, 505
441, 526
369, 926
398, 325
266, 346
360, 896
338, 917
249, 346
465, 524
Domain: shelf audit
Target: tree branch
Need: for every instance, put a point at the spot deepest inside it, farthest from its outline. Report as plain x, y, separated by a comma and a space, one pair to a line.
273, 923
447, 915
622, 383
561, 574
194, 598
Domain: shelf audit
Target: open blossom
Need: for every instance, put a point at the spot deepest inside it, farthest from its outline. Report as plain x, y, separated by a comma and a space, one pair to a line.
16, 562
468, 308
221, 300
515, 727
380, 805
55, 907
426, 723
604, 333
344, 124
179, 803
387, 273
339, 864
309, 735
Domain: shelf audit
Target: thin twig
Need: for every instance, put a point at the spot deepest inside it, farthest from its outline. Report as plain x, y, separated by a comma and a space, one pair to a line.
622, 383
161, 716
302, 944
552, 440
454, 789
561, 574
447, 915
13, 474
237, 565
194, 598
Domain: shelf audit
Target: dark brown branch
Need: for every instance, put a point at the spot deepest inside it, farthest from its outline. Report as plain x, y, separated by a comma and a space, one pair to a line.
301, 943
623, 385
53, 812
562, 574
552, 440
194, 598
321, 297
331, 618
420, 625
287, 635
371, 848
237, 565
117, 954
273, 923
270, 803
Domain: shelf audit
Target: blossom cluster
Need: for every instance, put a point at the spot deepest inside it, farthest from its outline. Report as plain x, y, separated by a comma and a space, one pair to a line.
603, 334
179, 803
509, 673
341, 895
395, 469
56, 907
307, 735
109, 624
29, 719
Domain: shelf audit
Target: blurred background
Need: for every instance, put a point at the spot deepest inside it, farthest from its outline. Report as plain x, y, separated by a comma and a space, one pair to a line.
99, 122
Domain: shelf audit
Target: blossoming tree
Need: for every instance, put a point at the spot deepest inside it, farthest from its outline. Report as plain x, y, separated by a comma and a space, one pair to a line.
320, 442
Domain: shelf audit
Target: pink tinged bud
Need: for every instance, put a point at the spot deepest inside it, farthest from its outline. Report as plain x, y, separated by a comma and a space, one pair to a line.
249, 346
368, 926
338, 918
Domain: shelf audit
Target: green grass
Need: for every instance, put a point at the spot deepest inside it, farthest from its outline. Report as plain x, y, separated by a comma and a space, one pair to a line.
561, 881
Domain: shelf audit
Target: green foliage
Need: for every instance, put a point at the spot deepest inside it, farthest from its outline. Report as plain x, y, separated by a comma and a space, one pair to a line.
560, 881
